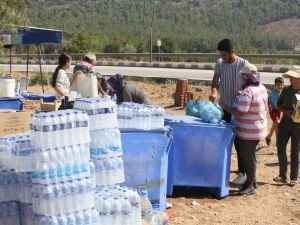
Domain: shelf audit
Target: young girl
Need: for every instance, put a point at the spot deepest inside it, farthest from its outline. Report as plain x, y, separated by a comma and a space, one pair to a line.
60, 81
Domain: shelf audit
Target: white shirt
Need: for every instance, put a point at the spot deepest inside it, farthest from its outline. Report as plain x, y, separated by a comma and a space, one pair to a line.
63, 81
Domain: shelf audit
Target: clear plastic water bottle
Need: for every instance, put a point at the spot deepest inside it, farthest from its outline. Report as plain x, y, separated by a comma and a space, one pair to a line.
104, 212
61, 120
135, 202
146, 205
71, 219
87, 216
70, 132
116, 211
79, 218
127, 212
93, 174
62, 220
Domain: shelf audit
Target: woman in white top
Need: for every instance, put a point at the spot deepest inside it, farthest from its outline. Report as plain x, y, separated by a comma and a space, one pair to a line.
60, 81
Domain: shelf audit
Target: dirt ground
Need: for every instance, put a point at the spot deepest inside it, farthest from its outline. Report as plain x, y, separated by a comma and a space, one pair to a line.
272, 204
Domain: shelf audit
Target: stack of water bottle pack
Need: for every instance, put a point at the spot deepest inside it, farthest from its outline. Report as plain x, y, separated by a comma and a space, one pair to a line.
15, 180
116, 205
106, 148
138, 116
62, 180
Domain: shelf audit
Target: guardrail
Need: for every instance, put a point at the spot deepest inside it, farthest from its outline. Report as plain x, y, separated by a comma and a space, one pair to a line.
167, 57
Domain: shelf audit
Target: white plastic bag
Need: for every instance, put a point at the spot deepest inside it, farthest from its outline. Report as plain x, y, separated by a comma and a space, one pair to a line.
85, 85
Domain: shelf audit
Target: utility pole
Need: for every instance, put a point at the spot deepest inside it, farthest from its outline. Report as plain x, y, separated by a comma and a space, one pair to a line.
149, 7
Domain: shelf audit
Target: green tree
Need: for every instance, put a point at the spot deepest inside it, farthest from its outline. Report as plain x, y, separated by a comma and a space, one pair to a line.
12, 12
80, 42
112, 48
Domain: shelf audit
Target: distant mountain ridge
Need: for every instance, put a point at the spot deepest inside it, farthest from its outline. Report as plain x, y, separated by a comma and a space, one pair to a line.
180, 20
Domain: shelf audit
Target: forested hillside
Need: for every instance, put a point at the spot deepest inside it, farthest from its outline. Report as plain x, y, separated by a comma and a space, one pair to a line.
183, 25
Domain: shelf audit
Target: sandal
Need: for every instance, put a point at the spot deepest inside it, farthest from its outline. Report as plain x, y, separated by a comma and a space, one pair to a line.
280, 179
293, 182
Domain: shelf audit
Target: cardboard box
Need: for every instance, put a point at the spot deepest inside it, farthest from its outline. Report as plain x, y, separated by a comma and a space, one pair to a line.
13, 122
296, 114
50, 106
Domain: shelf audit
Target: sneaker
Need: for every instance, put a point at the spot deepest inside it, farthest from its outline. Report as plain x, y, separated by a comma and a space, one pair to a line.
240, 179
268, 141
249, 190
280, 179
293, 182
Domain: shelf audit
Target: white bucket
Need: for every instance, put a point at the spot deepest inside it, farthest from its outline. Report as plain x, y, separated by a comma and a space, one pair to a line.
7, 88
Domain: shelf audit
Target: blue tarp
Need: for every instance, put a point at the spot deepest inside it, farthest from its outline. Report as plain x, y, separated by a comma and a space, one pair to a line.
34, 35
33, 96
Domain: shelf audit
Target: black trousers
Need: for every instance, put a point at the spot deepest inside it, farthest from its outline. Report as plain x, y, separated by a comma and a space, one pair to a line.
227, 118
288, 130
246, 150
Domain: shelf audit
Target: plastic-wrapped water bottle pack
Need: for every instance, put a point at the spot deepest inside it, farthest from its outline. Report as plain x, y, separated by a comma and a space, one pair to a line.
9, 213
102, 112
15, 152
106, 143
137, 116
118, 206
206, 110
59, 129
109, 171
26, 214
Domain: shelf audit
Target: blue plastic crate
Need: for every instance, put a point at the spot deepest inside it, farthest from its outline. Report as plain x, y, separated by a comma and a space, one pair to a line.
145, 155
200, 155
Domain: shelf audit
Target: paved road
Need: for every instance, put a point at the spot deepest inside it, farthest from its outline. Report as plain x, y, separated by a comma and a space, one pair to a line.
196, 74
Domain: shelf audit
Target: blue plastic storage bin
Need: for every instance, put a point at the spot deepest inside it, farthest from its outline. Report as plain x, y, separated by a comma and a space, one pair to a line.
200, 155
145, 155
11, 103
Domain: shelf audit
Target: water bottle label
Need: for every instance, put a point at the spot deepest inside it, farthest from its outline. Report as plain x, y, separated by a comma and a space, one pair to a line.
100, 111
90, 112
68, 125
68, 170
114, 148
56, 127
60, 172
32, 126
76, 169
62, 126
107, 110
52, 173
37, 128
47, 128
34, 174
44, 174
85, 167
82, 124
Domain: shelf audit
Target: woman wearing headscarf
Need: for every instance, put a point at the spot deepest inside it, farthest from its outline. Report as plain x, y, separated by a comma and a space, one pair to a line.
125, 92
251, 122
